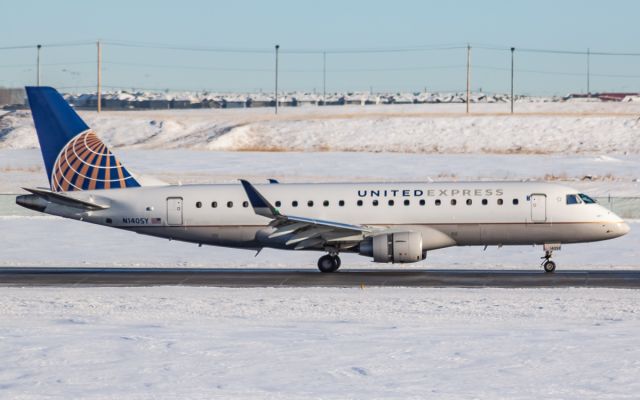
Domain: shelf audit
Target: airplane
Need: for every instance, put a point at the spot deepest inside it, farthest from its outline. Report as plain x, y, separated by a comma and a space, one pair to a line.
396, 222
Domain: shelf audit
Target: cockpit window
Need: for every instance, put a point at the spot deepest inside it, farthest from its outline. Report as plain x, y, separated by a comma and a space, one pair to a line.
586, 199
573, 199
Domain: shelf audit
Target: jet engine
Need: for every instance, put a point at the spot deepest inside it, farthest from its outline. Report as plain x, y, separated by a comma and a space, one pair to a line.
396, 247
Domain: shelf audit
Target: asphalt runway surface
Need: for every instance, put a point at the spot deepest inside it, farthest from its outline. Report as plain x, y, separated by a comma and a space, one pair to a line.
72, 277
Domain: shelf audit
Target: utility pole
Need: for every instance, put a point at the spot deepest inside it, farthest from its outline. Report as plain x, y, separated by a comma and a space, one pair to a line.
468, 76
99, 77
513, 49
588, 72
324, 78
277, 48
38, 65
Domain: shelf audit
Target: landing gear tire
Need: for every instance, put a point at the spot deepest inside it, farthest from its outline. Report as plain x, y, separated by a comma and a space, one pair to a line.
549, 266
329, 263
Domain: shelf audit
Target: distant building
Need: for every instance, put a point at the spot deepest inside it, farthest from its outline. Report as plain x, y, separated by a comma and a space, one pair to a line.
605, 96
12, 97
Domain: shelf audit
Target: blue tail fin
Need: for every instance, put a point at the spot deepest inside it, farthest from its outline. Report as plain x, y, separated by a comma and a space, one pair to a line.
74, 156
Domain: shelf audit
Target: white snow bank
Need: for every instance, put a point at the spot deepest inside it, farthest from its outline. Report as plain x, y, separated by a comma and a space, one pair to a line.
614, 128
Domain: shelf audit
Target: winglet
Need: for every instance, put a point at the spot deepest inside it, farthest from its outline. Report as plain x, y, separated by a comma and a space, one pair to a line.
261, 206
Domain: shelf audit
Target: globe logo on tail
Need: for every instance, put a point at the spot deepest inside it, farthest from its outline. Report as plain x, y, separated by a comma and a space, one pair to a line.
85, 163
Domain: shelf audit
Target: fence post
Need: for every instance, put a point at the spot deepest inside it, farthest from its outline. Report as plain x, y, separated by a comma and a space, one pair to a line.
277, 48
468, 76
588, 73
513, 49
38, 65
324, 78
99, 88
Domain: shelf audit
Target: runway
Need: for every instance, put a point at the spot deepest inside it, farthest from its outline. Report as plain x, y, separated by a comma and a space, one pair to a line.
71, 277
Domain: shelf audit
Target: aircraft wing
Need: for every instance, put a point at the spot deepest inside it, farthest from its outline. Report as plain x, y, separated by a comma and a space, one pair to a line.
305, 232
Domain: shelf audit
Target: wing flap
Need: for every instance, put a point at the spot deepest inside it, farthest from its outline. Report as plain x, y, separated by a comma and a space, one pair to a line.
307, 232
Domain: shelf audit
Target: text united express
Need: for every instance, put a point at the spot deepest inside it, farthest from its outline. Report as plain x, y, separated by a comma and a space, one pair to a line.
429, 192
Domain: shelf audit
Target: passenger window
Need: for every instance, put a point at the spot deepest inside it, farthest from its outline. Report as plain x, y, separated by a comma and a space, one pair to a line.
341, 203
484, 202
407, 202
245, 204
375, 202
438, 202
454, 202
469, 202
359, 202
325, 203
199, 204
229, 204
515, 202
214, 204
391, 202
500, 202
294, 203
278, 203
422, 202
310, 203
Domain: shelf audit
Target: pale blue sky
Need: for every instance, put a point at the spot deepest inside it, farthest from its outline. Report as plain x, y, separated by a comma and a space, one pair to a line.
567, 25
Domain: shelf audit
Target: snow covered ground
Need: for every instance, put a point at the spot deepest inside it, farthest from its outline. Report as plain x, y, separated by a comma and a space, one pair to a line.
268, 343
178, 342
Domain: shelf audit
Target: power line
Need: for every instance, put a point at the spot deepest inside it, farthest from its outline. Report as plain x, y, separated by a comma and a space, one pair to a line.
33, 46
165, 46
185, 48
354, 50
192, 67
309, 70
556, 51
47, 64
561, 73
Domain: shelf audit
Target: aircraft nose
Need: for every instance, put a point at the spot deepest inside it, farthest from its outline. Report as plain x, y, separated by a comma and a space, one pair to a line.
622, 228
617, 229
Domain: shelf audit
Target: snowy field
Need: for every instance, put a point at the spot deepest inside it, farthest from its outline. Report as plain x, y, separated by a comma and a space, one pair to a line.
273, 343
596, 174
538, 128
267, 343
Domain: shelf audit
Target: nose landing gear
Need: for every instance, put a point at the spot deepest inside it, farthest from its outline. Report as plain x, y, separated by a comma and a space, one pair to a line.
548, 265
329, 263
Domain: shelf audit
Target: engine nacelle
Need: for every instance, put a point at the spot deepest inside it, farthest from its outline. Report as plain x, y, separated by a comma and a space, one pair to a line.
397, 247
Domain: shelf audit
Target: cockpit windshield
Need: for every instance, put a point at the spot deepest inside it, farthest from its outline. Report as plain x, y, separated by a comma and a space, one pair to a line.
586, 199
579, 198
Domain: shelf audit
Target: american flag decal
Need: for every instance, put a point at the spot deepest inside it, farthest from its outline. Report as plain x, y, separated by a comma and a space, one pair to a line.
156, 221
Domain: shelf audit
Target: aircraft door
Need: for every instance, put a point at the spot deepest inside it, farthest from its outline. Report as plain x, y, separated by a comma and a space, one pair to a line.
174, 210
538, 208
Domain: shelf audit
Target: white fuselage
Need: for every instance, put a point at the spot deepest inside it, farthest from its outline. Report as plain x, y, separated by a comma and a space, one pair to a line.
446, 214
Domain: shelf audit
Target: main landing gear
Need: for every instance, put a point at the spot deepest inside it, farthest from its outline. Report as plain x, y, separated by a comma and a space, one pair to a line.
548, 265
329, 263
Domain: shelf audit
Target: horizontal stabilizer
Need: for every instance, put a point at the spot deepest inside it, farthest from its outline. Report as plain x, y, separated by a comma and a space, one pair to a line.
64, 200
